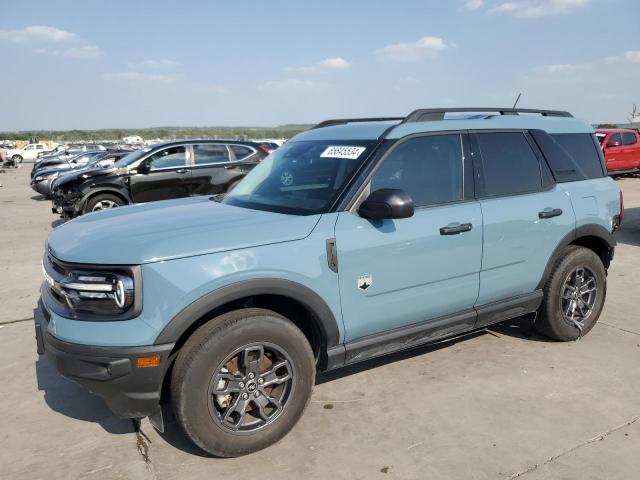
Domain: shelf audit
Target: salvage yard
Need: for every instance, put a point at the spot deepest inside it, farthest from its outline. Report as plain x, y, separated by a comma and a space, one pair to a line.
502, 403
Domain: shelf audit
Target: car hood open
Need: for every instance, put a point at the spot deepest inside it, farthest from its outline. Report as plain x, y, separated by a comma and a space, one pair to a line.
171, 229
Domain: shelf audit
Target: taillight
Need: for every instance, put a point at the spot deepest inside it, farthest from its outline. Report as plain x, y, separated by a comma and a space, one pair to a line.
264, 149
621, 214
617, 219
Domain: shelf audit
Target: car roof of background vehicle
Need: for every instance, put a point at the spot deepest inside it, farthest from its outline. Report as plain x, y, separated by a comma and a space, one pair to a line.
190, 141
616, 130
550, 121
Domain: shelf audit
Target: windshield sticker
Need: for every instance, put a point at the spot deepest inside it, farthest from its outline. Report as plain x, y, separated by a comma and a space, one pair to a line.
343, 151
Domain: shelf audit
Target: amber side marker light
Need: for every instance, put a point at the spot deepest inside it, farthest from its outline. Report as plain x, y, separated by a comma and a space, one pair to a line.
147, 362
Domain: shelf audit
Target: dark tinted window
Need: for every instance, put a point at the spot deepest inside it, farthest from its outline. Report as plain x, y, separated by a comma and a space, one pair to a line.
210, 153
429, 169
168, 158
510, 167
240, 151
629, 138
583, 151
616, 137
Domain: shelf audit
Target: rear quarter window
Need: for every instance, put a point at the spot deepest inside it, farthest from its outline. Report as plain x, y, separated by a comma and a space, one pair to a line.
583, 152
629, 138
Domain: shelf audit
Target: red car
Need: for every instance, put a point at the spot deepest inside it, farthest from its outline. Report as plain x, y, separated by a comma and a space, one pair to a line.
621, 149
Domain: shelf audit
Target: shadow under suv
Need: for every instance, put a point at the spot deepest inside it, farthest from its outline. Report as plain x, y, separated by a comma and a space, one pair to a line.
161, 172
355, 239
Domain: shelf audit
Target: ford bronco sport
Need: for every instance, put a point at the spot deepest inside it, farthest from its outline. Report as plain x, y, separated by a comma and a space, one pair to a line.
356, 238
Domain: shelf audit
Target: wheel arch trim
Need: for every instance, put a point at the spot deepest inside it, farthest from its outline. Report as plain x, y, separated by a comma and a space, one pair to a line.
583, 231
181, 322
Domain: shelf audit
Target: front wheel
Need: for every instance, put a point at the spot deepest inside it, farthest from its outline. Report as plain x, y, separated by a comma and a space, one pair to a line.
103, 201
573, 296
17, 159
242, 381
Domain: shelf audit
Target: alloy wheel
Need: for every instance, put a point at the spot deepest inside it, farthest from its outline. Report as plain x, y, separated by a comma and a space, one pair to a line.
251, 388
578, 295
104, 205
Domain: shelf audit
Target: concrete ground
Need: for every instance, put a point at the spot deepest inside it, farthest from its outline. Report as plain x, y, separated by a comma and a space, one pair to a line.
501, 404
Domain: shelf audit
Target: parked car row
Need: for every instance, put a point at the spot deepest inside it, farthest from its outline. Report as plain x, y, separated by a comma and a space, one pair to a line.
357, 238
101, 180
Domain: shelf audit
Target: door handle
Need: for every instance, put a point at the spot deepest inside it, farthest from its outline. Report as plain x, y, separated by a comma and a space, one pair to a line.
182, 170
455, 230
550, 213
229, 167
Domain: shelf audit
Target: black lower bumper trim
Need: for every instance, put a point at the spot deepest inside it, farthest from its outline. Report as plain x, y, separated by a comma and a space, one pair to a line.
109, 372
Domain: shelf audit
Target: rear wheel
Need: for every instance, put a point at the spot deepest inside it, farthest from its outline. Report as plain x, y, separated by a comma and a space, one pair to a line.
573, 296
242, 381
104, 201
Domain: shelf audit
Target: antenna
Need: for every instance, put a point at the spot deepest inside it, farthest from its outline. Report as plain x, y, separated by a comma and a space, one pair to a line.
517, 100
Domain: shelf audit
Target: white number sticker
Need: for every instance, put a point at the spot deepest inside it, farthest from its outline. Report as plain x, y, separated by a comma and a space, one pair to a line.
343, 151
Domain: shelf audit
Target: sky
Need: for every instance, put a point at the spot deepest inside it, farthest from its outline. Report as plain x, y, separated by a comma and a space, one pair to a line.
123, 64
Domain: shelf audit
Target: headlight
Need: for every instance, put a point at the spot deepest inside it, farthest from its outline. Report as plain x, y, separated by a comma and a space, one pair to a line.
92, 293
50, 176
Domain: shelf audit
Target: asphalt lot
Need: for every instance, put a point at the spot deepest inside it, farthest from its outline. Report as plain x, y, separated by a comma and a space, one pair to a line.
501, 404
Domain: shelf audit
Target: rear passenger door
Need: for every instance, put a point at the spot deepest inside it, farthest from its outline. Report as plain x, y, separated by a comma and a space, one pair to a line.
217, 166
630, 151
525, 214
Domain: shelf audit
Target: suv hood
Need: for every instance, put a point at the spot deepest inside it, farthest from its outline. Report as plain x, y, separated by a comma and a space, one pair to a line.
171, 229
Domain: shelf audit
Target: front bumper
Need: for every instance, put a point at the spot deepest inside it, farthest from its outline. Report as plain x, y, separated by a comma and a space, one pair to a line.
109, 372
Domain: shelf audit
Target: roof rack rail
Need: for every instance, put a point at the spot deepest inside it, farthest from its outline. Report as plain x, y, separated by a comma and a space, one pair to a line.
434, 114
342, 121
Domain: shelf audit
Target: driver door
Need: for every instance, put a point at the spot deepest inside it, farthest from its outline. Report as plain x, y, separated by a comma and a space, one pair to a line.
397, 273
166, 176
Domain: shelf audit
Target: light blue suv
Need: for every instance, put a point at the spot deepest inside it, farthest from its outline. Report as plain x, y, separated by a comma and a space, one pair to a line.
357, 238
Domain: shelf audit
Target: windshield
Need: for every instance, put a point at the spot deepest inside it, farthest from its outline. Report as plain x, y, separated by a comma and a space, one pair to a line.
301, 178
132, 157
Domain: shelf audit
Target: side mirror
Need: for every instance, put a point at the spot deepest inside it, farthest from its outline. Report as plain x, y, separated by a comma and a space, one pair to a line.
613, 144
387, 203
144, 168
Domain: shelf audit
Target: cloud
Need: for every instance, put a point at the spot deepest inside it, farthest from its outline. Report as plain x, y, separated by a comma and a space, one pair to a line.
140, 77
630, 56
37, 34
86, 52
411, 51
473, 4
335, 63
565, 68
538, 8
163, 64
291, 85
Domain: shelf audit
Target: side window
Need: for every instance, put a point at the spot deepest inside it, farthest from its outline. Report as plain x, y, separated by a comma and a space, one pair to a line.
168, 158
29, 147
616, 137
40, 147
509, 165
629, 138
583, 151
241, 152
210, 153
428, 168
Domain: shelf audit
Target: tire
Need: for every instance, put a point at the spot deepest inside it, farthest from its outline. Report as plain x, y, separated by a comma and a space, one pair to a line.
17, 159
206, 355
551, 320
103, 201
